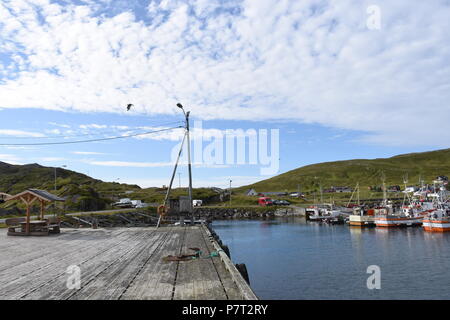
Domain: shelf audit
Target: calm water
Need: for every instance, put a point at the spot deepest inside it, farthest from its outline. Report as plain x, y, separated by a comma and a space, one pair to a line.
288, 258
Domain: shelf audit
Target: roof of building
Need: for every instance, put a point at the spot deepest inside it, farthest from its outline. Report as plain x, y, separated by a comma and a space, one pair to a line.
41, 194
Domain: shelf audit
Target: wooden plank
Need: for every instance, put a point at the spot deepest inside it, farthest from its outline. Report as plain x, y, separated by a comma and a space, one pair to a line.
197, 279
245, 291
117, 263
37, 277
229, 286
40, 253
156, 279
91, 267
114, 280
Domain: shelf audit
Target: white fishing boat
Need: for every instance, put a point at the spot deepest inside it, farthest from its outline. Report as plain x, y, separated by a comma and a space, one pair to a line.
438, 220
316, 213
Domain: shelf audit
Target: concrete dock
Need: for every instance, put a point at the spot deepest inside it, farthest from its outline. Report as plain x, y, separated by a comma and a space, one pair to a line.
118, 263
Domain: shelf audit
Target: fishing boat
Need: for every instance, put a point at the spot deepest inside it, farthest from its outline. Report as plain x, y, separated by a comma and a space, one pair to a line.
438, 220
384, 214
359, 216
323, 212
316, 213
362, 217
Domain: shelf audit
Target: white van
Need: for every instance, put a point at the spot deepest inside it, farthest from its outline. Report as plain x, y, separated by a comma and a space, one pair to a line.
197, 203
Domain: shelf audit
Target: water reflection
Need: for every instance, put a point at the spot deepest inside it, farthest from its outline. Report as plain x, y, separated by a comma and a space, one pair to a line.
289, 258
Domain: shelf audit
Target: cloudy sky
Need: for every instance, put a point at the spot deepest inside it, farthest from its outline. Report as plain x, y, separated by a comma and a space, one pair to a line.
338, 79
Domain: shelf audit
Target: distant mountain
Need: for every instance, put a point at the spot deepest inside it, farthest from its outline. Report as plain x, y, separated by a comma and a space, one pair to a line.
424, 165
82, 192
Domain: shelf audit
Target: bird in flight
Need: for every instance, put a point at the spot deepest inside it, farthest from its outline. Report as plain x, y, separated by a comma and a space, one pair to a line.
129, 106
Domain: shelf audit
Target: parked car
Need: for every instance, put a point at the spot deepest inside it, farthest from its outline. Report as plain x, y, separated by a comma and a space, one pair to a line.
124, 203
265, 201
197, 203
281, 202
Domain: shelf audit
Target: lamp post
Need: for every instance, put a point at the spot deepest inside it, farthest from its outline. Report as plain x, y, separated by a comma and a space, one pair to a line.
230, 191
54, 205
63, 166
186, 116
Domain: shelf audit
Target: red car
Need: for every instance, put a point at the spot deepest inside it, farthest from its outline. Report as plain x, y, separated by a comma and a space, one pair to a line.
265, 201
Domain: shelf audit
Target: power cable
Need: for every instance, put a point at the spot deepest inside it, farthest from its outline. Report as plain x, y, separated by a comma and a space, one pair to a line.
90, 140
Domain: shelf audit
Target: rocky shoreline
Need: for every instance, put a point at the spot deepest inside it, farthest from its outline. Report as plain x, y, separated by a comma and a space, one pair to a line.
245, 212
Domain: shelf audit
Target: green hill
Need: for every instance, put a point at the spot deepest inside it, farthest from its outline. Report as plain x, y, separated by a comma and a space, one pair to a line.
82, 192
425, 165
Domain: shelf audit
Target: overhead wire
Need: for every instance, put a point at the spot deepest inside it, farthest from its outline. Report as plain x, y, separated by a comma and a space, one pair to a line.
90, 140
88, 134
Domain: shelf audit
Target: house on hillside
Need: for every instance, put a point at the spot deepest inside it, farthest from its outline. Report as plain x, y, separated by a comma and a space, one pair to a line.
221, 195
251, 192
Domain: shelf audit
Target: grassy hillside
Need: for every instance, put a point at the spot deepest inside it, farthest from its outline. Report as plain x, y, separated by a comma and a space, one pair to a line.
426, 165
82, 191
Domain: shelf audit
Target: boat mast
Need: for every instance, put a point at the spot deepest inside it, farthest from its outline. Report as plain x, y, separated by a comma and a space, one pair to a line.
383, 178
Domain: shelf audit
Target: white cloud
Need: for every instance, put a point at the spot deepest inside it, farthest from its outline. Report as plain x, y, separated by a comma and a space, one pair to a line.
93, 126
307, 61
20, 133
88, 153
62, 125
10, 158
52, 159
129, 164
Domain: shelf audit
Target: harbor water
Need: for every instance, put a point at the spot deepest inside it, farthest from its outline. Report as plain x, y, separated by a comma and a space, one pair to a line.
289, 258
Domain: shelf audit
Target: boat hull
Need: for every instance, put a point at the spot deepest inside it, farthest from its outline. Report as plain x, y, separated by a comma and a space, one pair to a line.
395, 221
436, 225
361, 221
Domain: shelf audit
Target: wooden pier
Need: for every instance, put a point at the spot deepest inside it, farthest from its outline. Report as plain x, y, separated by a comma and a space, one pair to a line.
119, 263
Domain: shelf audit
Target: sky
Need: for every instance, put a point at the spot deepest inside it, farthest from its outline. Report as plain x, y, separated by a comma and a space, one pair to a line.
313, 81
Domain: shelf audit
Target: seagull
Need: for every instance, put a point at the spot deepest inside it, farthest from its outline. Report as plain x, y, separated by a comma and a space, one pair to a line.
129, 106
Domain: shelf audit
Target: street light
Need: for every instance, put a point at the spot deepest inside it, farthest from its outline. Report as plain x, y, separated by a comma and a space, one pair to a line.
63, 166
230, 191
54, 204
186, 116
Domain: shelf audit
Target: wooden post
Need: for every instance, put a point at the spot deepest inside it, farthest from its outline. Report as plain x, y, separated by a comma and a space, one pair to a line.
27, 226
42, 209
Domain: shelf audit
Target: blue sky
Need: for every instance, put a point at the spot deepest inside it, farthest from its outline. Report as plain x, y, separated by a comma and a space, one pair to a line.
333, 87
